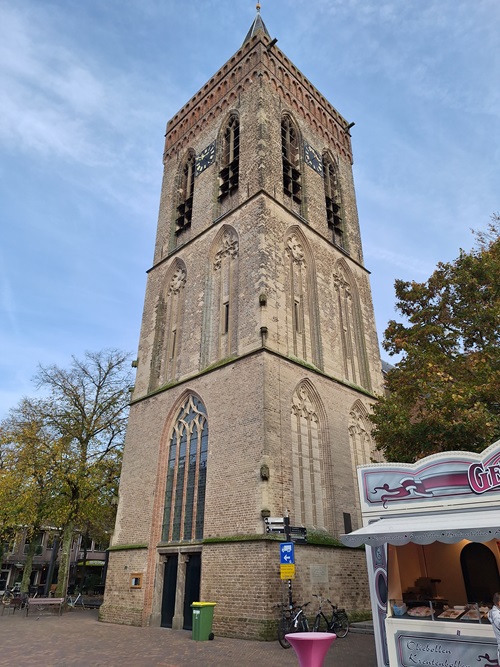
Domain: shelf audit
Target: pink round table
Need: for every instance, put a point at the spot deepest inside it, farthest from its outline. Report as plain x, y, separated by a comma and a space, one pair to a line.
311, 647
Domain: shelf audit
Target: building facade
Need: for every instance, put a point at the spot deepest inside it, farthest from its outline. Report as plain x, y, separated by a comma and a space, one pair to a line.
258, 358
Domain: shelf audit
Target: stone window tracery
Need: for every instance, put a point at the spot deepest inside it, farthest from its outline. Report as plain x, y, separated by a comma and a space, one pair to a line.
333, 201
306, 459
230, 163
168, 327
184, 509
355, 362
185, 191
291, 161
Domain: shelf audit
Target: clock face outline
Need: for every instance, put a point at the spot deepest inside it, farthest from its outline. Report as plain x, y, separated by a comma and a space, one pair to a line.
313, 159
205, 158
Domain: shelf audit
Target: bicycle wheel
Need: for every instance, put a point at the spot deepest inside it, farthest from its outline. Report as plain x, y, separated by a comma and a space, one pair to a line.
320, 624
303, 624
283, 629
341, 625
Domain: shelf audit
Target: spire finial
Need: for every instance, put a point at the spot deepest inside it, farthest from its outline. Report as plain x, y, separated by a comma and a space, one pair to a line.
257, 6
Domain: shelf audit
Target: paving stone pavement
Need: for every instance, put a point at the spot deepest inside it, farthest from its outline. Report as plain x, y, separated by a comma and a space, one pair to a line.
78, 639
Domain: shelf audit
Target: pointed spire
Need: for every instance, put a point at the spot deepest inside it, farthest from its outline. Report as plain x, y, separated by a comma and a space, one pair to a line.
257, 26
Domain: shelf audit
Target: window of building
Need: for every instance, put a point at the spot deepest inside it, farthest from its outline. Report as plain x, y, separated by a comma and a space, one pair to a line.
291, 160
185, 195
186, 476
333, 201
230, 165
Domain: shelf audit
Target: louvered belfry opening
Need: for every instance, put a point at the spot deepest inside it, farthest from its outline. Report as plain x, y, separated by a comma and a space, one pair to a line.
230, 171
333, 203
290, 152
186, 188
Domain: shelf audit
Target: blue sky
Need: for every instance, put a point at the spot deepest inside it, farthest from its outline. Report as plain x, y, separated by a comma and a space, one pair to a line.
87, 88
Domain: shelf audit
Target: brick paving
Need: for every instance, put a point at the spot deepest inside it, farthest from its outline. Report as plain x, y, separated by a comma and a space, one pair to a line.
79, 639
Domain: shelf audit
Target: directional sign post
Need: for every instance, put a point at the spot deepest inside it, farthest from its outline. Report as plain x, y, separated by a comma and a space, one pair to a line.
287, 553
287, 560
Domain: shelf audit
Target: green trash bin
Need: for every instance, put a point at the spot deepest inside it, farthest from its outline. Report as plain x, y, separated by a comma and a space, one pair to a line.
203, 615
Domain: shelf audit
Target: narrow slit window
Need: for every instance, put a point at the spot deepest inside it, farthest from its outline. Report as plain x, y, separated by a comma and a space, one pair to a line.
173, 343
297, 310
225, 316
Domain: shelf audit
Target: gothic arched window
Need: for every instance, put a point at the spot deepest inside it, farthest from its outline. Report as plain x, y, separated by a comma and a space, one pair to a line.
362, 446
291, 160
352, 335
185, 194
303, 334
184, 512
308, 478
168, 327
220, 323
333, 200
230, 160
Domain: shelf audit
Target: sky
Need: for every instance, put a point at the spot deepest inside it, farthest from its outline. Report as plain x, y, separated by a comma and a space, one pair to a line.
86, 90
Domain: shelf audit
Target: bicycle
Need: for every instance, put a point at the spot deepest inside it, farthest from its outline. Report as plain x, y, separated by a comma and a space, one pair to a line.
293, 619
78, 601
338, 623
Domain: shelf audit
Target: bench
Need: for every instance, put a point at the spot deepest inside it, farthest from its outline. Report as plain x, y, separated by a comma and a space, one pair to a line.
40, 603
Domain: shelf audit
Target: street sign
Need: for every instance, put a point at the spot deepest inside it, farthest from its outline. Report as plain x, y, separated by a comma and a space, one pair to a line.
287, 553
287, 571
298, 534
274, 525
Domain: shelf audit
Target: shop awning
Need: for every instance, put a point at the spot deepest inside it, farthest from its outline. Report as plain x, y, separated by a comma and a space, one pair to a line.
447, 527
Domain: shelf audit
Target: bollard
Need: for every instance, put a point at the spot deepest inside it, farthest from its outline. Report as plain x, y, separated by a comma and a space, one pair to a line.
311, 647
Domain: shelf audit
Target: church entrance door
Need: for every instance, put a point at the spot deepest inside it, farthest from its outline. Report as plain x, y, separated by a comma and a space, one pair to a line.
192, 590
169, 588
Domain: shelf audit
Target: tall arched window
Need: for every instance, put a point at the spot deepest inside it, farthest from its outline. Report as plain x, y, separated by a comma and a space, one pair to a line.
184, 512
352, 335
303, 331
220, 326
333, 201
185, 194
230, 159
308, 478
168, 326
362, 445
291, 159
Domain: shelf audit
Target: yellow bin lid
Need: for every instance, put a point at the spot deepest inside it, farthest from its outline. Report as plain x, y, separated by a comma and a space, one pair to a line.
203, 604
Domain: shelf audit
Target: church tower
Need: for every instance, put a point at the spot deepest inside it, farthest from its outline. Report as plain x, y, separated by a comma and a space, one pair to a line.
258, 359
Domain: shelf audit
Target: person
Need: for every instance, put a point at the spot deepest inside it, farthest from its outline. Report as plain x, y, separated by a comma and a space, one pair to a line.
494, 619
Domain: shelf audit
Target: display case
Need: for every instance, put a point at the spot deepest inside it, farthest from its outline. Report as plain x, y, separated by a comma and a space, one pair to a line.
432, 537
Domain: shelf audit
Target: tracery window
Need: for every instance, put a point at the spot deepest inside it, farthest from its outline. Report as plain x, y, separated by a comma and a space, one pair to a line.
185, 194
352, 335
333, 200
230, 162
306, 459
291, 161
362, 445
184, 512
168, 327
220, 325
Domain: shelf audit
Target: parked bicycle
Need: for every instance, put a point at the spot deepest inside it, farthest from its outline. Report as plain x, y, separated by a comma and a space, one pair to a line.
293, 619
75, 602
338, 623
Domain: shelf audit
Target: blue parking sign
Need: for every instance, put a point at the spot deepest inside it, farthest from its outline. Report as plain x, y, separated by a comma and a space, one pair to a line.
287, 553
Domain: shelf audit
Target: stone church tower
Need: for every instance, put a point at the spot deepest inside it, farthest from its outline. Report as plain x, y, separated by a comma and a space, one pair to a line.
258, 359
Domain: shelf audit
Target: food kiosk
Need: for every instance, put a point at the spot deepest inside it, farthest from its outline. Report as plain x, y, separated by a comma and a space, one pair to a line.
432, 536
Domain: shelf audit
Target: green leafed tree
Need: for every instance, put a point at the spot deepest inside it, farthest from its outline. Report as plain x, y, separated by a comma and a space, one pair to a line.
80, 423
444, 393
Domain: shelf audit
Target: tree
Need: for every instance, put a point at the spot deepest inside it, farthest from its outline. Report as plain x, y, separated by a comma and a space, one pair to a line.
81, 423
444, 394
